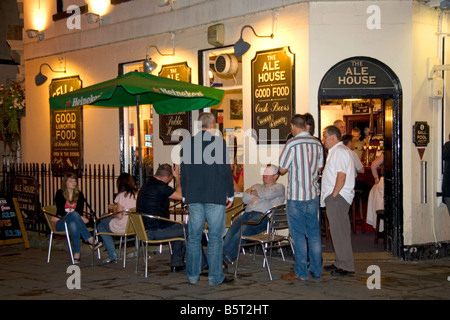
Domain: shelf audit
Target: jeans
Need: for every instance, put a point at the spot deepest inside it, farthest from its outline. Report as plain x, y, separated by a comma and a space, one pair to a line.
168, 230
233, 236
108, 241
214, 215
305, 231
76, 228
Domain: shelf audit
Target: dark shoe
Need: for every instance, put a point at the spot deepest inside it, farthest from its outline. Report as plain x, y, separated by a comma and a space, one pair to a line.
96, 246
330, 268
108, 260
177, 268
227, 280
342, 273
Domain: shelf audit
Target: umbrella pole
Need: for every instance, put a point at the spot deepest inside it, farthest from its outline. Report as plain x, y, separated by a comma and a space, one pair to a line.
139, 140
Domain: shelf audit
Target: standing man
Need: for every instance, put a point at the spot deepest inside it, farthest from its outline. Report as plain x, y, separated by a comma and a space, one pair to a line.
338, 182
207, 184
446, 180
302, 156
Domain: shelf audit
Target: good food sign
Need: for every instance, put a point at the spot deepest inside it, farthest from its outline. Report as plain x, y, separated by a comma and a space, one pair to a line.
272, 94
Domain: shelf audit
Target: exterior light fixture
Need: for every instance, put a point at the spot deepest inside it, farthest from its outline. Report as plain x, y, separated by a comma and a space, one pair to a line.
32, 33
149, 64
40, 78
93, 18
241, 47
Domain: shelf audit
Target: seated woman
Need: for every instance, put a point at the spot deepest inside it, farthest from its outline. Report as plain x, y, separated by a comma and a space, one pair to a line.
125, 200
69, 202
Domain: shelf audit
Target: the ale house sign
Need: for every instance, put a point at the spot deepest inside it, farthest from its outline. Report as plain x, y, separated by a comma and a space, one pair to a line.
168, 123
272, 94
66, 128
355, 78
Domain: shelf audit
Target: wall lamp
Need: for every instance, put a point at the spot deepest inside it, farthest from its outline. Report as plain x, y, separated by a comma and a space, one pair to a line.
149, 64
40, 78
93, 18
32, 33
241, 47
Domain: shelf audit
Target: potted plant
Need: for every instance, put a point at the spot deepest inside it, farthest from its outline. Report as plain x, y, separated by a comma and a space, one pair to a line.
12, 107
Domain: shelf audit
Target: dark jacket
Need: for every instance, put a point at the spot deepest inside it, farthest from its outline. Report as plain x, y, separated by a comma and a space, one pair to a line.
446, 180
205, 175
60, 202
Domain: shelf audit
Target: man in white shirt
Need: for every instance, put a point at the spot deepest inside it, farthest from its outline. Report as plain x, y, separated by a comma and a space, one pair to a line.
338, 181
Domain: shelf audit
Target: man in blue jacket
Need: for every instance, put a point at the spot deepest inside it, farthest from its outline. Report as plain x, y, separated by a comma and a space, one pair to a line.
207, 184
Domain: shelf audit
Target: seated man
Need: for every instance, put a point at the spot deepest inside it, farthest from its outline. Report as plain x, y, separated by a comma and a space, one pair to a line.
258, 199
154, 198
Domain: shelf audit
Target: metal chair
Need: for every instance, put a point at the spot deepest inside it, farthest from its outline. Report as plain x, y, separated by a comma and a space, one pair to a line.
138, 224
49, 212
129, 231
269, 239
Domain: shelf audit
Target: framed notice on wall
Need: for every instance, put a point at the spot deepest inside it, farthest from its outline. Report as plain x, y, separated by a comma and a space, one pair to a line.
169, 123
272, 95
66, 130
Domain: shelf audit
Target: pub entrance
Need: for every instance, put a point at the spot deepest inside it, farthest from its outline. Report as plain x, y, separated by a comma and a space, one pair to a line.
366, 94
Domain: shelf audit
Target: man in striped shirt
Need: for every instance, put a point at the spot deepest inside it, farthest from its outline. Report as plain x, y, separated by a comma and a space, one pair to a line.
303, 157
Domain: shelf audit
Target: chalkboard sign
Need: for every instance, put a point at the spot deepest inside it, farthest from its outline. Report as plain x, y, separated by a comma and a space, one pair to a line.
12, 229
272, 94
169, 123
26, 193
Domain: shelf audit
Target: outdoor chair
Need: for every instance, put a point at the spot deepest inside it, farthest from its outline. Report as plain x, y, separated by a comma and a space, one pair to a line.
49, 212
141, 233
129, 231
269, 239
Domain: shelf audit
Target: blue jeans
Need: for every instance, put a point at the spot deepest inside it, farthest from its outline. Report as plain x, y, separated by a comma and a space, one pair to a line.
305, 231
233, 236
108, 241
76, 228
214, 215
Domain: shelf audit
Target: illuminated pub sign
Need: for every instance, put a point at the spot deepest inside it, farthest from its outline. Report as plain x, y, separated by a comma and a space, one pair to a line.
357, 77
168, 123
272, 95
66, 129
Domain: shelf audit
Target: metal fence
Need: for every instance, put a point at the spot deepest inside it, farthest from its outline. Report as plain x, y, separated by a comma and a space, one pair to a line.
97, 182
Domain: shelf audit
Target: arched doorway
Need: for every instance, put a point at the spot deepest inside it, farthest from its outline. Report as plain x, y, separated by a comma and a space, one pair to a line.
355, 87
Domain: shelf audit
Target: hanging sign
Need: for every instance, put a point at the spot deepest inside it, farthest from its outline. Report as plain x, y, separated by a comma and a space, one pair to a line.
421, 134
272, 94
168, 123
66, 129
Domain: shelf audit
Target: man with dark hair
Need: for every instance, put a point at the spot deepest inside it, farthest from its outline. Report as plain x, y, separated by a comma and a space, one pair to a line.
208, 189
303, 157
154, 199
338, 181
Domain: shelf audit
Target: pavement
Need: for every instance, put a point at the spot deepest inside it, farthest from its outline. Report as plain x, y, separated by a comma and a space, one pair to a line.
26, 275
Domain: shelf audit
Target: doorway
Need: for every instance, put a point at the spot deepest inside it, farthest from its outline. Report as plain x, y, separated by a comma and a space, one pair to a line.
366, 94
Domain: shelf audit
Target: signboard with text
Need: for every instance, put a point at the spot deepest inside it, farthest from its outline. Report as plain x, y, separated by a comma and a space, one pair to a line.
66, 129
272, 95
168, 123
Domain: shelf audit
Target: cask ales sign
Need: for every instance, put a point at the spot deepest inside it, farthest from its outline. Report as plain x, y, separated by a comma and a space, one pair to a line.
272, 95
66, 129
168, 123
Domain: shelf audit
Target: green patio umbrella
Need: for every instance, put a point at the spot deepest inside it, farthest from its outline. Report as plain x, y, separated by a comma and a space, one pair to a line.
135, 88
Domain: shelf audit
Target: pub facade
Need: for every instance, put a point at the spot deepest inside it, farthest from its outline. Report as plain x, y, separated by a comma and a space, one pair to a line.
379, 65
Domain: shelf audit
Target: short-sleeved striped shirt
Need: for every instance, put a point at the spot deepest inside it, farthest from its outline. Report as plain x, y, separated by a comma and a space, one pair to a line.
303, 157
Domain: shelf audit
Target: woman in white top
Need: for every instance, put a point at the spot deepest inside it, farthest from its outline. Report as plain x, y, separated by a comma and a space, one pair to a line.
125, 199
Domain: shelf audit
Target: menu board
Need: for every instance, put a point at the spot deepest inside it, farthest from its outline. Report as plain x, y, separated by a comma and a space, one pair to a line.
272, 95
12, 229
168, 123
26, 193
66, 129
